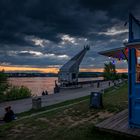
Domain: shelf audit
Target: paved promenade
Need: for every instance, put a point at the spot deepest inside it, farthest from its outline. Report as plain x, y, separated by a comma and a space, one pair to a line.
65, 94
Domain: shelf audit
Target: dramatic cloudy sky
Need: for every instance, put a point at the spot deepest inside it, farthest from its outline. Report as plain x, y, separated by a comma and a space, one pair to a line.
47, 33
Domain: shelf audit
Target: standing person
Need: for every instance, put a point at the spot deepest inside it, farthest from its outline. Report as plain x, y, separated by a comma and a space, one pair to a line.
56, 88
109, 83
98, 84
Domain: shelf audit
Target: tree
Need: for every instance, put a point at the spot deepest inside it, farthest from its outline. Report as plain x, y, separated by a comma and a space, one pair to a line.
3, 83
110, 71
3, 77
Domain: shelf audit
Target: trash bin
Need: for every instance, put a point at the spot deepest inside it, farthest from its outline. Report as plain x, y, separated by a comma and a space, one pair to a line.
96, 100
36, 103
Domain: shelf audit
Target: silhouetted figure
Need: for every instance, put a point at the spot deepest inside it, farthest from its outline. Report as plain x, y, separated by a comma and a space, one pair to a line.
98, 84
46, 92
12, 113
56, 88
56, 84
109, 83
7, 116
43, 93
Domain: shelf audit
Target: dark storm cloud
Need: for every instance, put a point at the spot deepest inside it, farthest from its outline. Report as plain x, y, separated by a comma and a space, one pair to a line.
44, 19
117, 9
41, 26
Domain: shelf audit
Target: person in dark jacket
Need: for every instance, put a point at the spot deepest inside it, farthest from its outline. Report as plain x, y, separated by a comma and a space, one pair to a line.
43, 93
7, 116
12, 113
46, 92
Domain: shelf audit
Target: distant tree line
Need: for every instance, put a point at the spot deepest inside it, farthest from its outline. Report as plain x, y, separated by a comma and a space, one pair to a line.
35, 74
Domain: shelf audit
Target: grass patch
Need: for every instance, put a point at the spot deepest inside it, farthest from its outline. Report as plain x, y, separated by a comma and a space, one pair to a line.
73, 122
26, 113
117, 99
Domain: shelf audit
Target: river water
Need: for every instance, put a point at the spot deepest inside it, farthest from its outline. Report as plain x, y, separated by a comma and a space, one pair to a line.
39, 84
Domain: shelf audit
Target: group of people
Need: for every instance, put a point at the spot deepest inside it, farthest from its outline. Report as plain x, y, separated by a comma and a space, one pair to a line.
45, 93
9, 115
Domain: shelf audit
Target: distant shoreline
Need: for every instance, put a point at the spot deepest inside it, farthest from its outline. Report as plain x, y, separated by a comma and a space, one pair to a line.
81, 74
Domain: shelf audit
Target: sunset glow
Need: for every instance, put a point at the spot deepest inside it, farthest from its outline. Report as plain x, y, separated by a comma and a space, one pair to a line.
26, 69
50, 70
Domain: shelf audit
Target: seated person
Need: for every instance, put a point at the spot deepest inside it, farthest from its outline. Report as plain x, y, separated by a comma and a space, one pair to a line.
43, 93
7, 116
46, 92
12, 113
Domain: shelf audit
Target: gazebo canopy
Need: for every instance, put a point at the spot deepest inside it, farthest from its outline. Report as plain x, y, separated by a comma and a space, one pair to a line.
119, 53
122, 52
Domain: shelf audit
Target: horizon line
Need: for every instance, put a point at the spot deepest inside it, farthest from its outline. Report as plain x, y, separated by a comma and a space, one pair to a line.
52, 69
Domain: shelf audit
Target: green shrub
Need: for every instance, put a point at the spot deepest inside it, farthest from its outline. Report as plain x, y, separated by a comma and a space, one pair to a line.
3, 82
16, 92
9, 92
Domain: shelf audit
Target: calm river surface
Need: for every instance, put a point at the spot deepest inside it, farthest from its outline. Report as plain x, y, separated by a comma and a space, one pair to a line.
38, 84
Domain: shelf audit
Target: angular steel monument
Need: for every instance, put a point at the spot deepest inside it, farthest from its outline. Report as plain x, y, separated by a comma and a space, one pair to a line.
68, 73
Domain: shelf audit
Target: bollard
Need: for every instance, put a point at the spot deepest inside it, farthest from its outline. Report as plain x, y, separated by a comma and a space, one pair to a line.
36, 103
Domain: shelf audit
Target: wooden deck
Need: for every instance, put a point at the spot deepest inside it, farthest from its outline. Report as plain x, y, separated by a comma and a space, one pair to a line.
119, 124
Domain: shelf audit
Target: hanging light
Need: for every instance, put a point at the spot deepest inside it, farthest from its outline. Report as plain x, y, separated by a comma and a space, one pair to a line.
113, 62
125, 60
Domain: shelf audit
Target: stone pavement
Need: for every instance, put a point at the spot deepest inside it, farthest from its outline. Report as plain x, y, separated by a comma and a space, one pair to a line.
65, 94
